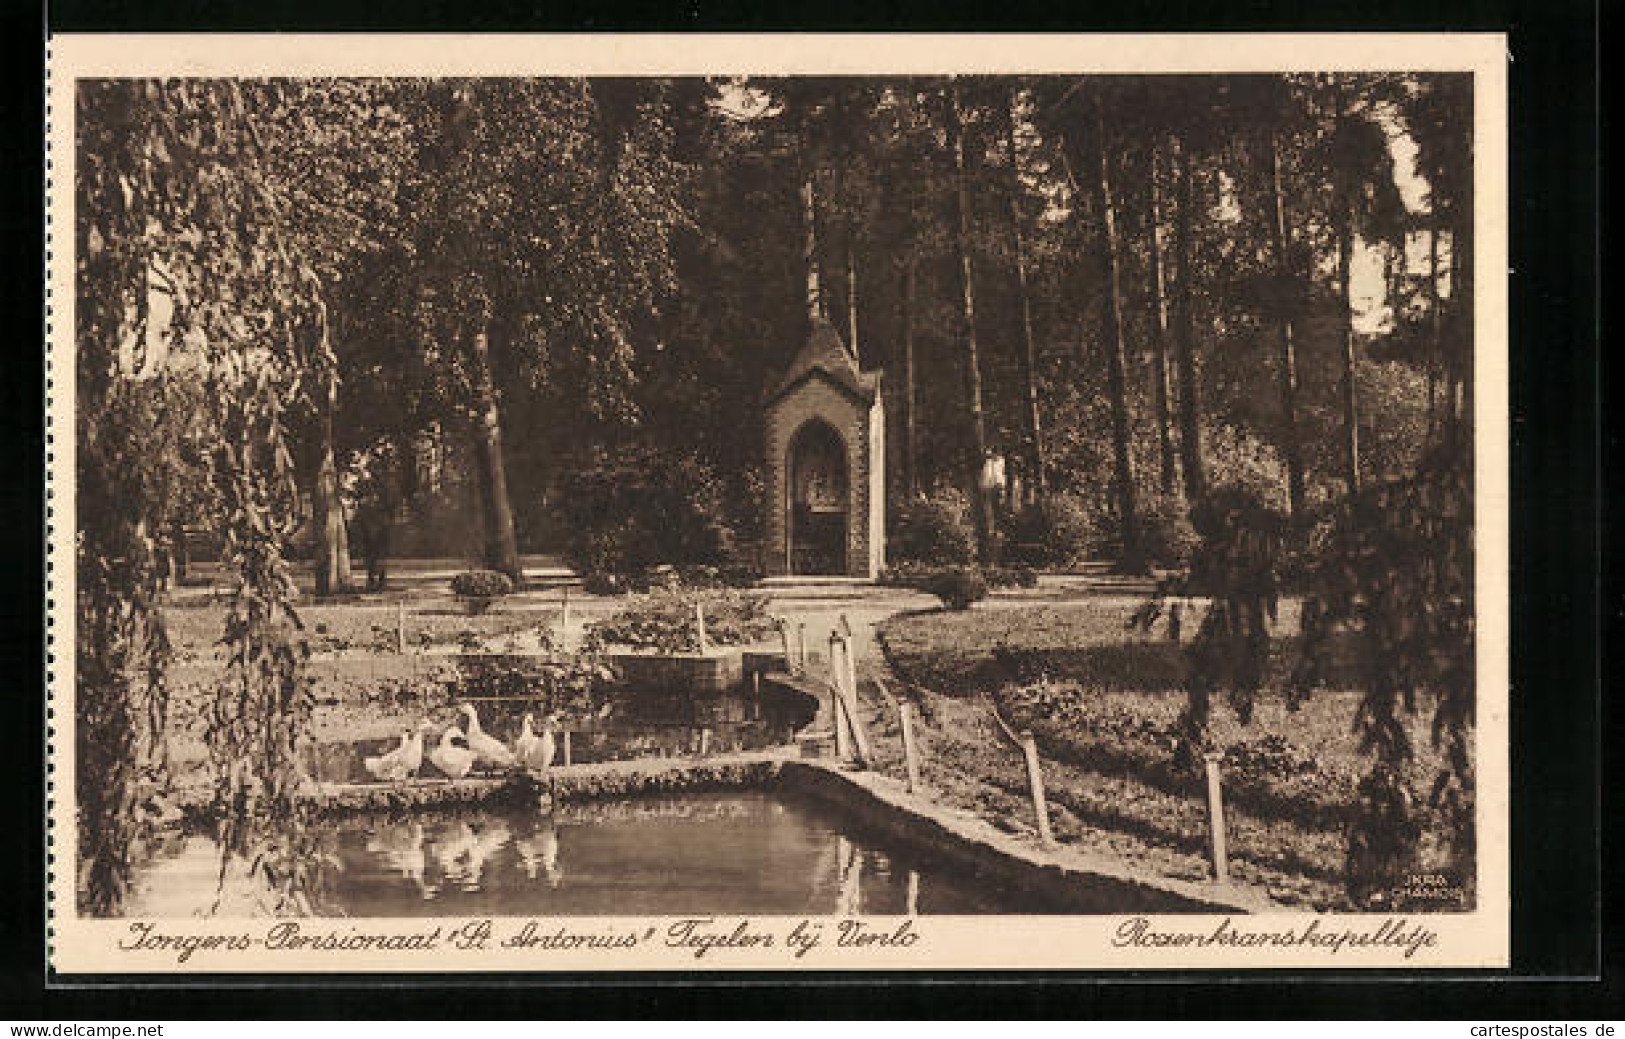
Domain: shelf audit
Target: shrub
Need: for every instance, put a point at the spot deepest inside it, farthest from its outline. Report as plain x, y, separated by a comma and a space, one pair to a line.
643, 506
741, 575
935, 529
1166, 535
1011, 577
481, 584
958, 588
597, 582
1056, 531
906, 575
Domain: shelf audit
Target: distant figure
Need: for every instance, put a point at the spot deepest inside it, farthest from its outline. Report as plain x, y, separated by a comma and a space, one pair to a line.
487, 748
453, 761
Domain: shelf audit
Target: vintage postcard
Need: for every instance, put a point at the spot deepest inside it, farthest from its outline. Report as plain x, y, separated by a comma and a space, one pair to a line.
611, 503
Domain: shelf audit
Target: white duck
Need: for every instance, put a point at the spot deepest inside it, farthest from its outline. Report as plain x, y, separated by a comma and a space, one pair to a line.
453, 761
414, 749
486, 747
397, 764
536, 751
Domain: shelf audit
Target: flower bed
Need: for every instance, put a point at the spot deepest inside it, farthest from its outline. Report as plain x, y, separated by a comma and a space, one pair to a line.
664, 622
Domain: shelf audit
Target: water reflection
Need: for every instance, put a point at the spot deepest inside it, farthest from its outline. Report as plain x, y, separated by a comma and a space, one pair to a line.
732, 853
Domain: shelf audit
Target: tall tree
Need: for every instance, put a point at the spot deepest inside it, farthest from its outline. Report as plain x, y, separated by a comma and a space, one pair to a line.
1131, 556
1343, 224
1190, 428
1029, 346
332, 564
1285, 296
986, 532
911, 467
1159, 322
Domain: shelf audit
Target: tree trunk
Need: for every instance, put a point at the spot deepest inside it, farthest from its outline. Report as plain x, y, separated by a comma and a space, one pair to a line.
985, 530
851, 296
1029, 347
911, 471
1435, 324
1131, 558
1291, 448
501, 547
1190, 430
1462, 300
809, 248
1159, 331
332, 563
1344, 218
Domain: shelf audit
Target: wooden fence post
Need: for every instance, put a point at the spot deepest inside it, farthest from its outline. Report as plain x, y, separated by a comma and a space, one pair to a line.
851, 666
400, 627
566, 747
699, 626
564, 614
801, 649
1215, 816
843, 749
849, 698
911, 758
1035, 781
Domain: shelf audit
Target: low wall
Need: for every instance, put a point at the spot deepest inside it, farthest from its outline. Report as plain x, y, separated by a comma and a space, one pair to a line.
708, 675
1072, 881
564, 783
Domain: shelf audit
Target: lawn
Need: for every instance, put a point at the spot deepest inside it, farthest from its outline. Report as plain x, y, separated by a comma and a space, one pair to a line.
1104, 706
362, 629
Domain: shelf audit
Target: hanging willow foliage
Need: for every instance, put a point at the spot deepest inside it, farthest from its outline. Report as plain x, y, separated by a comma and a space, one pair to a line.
1398, 573
189, 277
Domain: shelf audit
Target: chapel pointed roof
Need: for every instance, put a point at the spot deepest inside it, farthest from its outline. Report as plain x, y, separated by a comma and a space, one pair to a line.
825, 355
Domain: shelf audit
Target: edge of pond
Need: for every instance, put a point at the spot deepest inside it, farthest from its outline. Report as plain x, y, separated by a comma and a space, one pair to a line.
1073, 880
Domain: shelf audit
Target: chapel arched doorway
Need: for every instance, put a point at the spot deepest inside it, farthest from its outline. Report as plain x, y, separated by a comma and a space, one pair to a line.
820, 499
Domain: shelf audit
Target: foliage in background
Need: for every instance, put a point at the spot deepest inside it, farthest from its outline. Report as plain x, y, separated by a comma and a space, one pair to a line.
933, 529
1055, 531
634, 508
1167, 536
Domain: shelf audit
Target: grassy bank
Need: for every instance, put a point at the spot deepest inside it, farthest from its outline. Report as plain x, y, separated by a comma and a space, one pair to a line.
1104, 707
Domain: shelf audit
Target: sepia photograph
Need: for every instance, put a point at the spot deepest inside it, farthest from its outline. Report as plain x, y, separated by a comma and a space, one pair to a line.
618, 508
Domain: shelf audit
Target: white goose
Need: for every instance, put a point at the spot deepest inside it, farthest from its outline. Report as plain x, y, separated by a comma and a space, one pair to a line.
536, 751
395, 765
453, 761
486, 747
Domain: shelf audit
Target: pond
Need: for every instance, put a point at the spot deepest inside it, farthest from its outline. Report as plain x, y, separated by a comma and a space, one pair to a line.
721, 853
